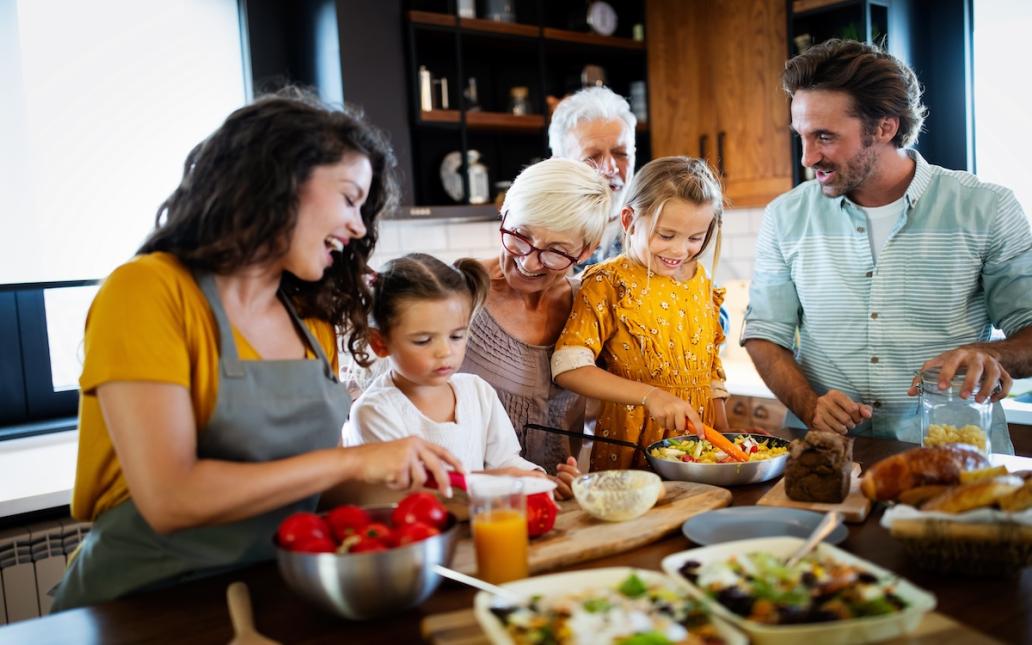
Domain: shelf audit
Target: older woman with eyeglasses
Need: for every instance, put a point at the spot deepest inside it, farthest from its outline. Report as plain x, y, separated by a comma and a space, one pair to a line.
553, 217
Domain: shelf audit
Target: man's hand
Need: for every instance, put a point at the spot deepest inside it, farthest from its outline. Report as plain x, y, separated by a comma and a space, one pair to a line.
979, 365
836, 412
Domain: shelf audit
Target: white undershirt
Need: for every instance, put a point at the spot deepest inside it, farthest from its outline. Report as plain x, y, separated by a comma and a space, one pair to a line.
880, 222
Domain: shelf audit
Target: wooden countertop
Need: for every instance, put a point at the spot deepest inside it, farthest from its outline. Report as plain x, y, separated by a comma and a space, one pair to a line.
196, 612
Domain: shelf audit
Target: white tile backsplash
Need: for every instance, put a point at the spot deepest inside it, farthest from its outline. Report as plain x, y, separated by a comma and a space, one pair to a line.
476, 235
447, 241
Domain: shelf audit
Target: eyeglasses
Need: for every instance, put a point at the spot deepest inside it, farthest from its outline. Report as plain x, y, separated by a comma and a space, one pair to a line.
520, 246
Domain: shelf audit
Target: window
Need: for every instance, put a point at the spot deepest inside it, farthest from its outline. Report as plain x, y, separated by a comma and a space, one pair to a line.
102, 101
1003, 98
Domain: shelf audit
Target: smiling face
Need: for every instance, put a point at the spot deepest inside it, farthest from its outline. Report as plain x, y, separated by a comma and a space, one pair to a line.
833, 141
527, 274
608, 146
427, 341
670, 247
329, 215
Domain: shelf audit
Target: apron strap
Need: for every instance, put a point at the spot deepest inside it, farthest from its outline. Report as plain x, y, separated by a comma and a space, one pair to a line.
312, 342
228, 357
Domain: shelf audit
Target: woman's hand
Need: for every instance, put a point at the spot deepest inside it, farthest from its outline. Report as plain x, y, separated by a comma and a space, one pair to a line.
673, 413
565, 474
403, 463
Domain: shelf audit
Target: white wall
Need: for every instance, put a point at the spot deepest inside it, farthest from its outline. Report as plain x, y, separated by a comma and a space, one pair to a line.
452, 240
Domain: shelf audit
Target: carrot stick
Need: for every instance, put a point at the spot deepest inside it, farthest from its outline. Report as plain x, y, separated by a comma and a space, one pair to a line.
724, 444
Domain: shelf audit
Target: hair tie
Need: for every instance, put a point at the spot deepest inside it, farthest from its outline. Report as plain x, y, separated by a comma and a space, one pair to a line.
372, 277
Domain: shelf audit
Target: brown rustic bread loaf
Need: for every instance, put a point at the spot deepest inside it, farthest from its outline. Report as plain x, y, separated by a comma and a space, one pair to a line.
819, 468
924, 466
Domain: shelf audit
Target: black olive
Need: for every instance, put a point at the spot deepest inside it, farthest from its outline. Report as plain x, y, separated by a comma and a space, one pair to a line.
809, 579
822, 616
503, 613
690, 570
736, 600
792, 614
867, 578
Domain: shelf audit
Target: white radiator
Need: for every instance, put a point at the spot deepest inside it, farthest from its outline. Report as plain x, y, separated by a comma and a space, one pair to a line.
32, 561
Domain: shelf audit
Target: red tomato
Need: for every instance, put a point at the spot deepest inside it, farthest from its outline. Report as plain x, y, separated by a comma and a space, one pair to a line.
420, 507
300, 527
315, 545
364, 544
687, 458
541, 512
347, 520
377, 531
413, 532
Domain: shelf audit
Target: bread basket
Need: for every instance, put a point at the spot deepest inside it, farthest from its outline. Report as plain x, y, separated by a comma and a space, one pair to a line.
997, 546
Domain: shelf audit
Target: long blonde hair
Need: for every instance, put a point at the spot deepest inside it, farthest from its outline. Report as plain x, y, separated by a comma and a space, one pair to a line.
684, 178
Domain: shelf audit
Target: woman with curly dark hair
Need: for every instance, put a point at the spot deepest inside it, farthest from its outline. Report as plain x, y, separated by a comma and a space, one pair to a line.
210, 406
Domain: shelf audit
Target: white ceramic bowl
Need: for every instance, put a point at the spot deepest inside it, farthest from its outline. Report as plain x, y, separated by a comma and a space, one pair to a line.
572, 582
617, 495
857, 630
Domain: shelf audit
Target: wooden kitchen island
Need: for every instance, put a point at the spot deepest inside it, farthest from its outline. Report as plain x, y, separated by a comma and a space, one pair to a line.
196, 612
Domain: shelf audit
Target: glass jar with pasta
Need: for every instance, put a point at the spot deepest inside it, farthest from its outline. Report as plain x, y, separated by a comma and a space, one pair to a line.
948, 418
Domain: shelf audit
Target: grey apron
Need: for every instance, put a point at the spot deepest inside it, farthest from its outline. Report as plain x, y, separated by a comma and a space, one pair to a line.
266, 410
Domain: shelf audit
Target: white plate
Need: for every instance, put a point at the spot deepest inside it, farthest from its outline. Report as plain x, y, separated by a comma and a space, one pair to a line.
574, 581
748, 522
856, 630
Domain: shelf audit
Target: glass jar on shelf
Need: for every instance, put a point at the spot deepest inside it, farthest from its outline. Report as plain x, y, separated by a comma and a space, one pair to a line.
519, 101
948, 418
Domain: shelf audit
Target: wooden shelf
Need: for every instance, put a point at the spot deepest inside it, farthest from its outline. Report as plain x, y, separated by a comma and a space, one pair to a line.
432, 18
504, 121
803, 6
439, 116
498, 27
591, 39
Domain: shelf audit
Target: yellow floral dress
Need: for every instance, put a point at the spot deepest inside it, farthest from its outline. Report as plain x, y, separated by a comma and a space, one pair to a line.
647, 328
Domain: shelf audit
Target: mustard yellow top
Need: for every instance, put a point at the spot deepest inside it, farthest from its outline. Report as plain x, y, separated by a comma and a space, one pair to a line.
150, 322
648, 328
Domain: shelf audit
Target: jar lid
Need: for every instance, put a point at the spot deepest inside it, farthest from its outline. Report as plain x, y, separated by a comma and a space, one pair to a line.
519, 90
930, 379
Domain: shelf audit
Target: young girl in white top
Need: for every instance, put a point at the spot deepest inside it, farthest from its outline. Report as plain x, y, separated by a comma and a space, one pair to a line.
421, 311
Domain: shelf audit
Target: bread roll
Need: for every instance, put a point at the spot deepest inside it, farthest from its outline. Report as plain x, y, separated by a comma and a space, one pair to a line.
980, 494
917, 496
925, 466
1019, 500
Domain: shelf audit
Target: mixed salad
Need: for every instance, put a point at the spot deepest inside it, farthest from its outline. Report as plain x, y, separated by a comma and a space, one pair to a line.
632, 613
759, 587
702, 451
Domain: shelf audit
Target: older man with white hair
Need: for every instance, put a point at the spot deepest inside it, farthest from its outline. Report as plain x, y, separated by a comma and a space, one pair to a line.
595, 125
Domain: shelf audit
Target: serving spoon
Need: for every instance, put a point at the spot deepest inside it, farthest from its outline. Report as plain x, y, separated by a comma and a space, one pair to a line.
822, 530
499, 592
240, 612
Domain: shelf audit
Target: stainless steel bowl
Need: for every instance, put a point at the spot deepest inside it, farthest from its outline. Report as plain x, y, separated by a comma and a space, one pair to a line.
366, 585
736, 474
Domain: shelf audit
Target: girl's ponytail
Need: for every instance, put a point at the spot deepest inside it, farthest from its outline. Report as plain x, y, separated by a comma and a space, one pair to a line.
477, 280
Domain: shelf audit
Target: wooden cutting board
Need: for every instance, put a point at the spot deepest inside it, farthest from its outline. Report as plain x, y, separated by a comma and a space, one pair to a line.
577, 536
461, 628
854, 508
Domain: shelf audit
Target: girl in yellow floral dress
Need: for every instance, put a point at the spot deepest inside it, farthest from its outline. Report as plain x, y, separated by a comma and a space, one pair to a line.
651, 317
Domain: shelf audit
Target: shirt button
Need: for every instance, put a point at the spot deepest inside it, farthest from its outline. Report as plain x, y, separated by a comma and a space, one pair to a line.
874, 315
860, 229
874, 359
869, 274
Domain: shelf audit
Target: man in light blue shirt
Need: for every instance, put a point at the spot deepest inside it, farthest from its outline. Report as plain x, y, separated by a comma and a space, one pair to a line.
883, 266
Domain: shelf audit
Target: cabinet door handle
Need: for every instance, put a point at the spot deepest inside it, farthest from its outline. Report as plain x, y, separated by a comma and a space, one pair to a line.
739, 408
761, 412
720, 152
703, 140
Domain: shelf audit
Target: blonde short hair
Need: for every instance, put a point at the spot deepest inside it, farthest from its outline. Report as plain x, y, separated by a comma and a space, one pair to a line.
560, 195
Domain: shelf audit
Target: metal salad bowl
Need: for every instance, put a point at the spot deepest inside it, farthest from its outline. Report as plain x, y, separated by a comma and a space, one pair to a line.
731, 474
366, 585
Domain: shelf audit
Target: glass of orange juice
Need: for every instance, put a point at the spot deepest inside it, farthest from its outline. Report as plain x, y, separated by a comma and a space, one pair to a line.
499, 518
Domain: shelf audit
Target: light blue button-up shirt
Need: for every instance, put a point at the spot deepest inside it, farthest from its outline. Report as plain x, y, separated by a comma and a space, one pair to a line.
957, 262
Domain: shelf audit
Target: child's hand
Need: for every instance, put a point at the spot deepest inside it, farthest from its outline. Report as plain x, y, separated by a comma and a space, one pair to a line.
565, 474
673, 413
